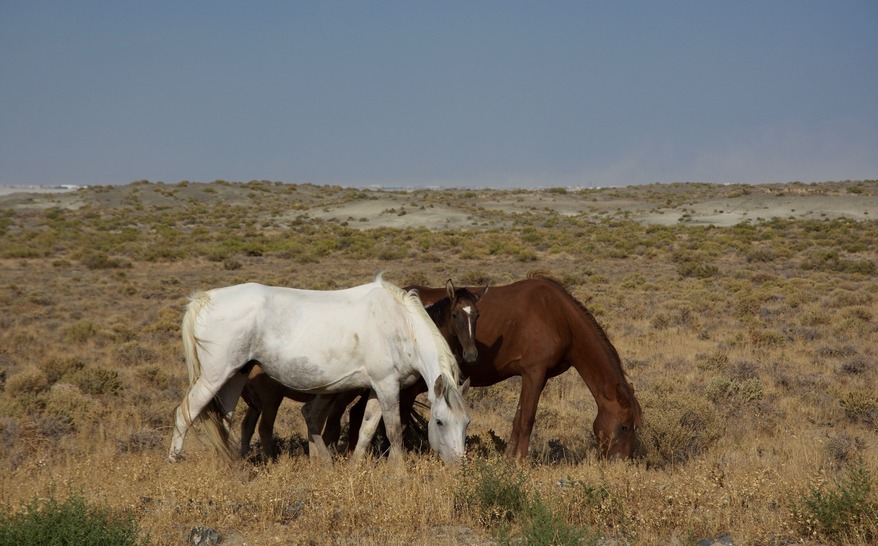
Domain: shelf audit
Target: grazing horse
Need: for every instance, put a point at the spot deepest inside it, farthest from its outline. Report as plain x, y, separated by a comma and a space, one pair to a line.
374, 336
536, 329
455, 315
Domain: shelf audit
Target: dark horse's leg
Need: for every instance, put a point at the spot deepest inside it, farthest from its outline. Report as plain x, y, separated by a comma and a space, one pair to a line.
248, 426
532, 384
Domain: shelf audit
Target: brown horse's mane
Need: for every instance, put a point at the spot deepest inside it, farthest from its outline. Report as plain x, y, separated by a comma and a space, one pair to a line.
602, 335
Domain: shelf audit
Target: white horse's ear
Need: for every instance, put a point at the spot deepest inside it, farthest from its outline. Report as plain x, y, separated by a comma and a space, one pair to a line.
439, 387
449, 289
465, 387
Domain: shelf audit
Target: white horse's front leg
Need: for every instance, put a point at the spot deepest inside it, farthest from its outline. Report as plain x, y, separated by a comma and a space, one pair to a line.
393, 426
371, 418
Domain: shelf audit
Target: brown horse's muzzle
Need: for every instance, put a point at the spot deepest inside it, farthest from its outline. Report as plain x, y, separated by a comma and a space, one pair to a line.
470, 355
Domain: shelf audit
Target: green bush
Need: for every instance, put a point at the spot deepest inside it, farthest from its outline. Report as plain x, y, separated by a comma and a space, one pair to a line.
72, 522
495, 492
492, 490
545, 527
846, 512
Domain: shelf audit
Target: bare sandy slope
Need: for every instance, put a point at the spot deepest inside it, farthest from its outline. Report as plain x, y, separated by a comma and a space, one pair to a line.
464, 209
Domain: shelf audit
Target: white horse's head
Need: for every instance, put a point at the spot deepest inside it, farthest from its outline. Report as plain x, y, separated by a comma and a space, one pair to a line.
448, 419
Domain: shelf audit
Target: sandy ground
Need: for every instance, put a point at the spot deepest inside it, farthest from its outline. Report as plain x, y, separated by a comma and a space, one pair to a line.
697, 204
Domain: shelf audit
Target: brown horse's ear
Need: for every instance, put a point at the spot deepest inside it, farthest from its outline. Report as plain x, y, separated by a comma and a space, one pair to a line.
439, 386
465, 387
449, 288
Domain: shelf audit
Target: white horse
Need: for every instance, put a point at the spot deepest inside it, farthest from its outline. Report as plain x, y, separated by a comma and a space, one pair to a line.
373, 336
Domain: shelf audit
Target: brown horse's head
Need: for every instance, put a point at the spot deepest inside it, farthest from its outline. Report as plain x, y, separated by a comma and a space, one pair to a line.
617, 423
464, 315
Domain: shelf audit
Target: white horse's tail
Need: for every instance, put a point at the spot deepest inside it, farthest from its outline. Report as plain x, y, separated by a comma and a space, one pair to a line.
211, 417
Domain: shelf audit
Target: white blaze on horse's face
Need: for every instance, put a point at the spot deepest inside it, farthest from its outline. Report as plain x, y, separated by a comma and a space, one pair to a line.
448, 422
465, 328
469, 319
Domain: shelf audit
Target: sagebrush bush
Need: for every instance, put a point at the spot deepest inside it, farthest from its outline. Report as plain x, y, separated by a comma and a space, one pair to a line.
98, 381
492, 491
679, 426
843, 512
56, 368
73, 522
31, 381
67, 402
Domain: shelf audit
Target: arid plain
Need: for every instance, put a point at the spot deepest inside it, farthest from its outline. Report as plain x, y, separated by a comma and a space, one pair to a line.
745, 316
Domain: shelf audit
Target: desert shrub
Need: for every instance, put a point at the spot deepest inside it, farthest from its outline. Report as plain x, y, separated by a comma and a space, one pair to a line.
56, 368
844, 512
97, 381
723, 390
716, 361
80, 331
72, 522
697, 269
831, 261
475, 277
492, 491
681, 425
99, 260
133, 353
31, 381
231, 264
591, 503
140, 440
544, 526
860, 405
495, 492
67, 403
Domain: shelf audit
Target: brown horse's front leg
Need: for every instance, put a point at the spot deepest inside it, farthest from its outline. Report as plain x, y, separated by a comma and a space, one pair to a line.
525, 415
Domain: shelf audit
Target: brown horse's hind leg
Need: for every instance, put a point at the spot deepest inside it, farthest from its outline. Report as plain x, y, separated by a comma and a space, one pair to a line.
525, 415
271, 401
248, 426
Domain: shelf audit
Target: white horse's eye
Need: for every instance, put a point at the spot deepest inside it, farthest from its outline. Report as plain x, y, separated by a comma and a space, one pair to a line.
439, 423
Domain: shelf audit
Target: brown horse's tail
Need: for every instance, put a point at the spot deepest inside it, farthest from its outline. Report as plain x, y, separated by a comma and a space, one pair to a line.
211, 417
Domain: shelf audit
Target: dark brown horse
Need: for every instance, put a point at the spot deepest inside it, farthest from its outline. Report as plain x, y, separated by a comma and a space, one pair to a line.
536, 329
455, 313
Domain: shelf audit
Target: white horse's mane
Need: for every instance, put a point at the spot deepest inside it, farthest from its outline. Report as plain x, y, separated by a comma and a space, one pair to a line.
412, 303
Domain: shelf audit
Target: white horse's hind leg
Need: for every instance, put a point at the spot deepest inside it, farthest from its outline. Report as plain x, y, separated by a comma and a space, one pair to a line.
196, 399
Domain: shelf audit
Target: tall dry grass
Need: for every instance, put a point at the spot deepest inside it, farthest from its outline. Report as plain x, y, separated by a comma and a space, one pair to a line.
752, 350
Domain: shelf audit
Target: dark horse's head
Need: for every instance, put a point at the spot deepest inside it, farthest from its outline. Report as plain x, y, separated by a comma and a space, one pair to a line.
464, 314
617, 422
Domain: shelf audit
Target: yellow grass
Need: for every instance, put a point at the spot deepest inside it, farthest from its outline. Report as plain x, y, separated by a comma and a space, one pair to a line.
773, 361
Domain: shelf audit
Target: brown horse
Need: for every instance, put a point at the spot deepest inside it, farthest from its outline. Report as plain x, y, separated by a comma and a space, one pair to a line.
455, 313
536, 329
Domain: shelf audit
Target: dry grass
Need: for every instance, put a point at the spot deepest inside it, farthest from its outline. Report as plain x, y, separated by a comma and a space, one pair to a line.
752, 349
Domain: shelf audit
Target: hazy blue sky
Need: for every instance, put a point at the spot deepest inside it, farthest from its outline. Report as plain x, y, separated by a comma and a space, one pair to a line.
473, 93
